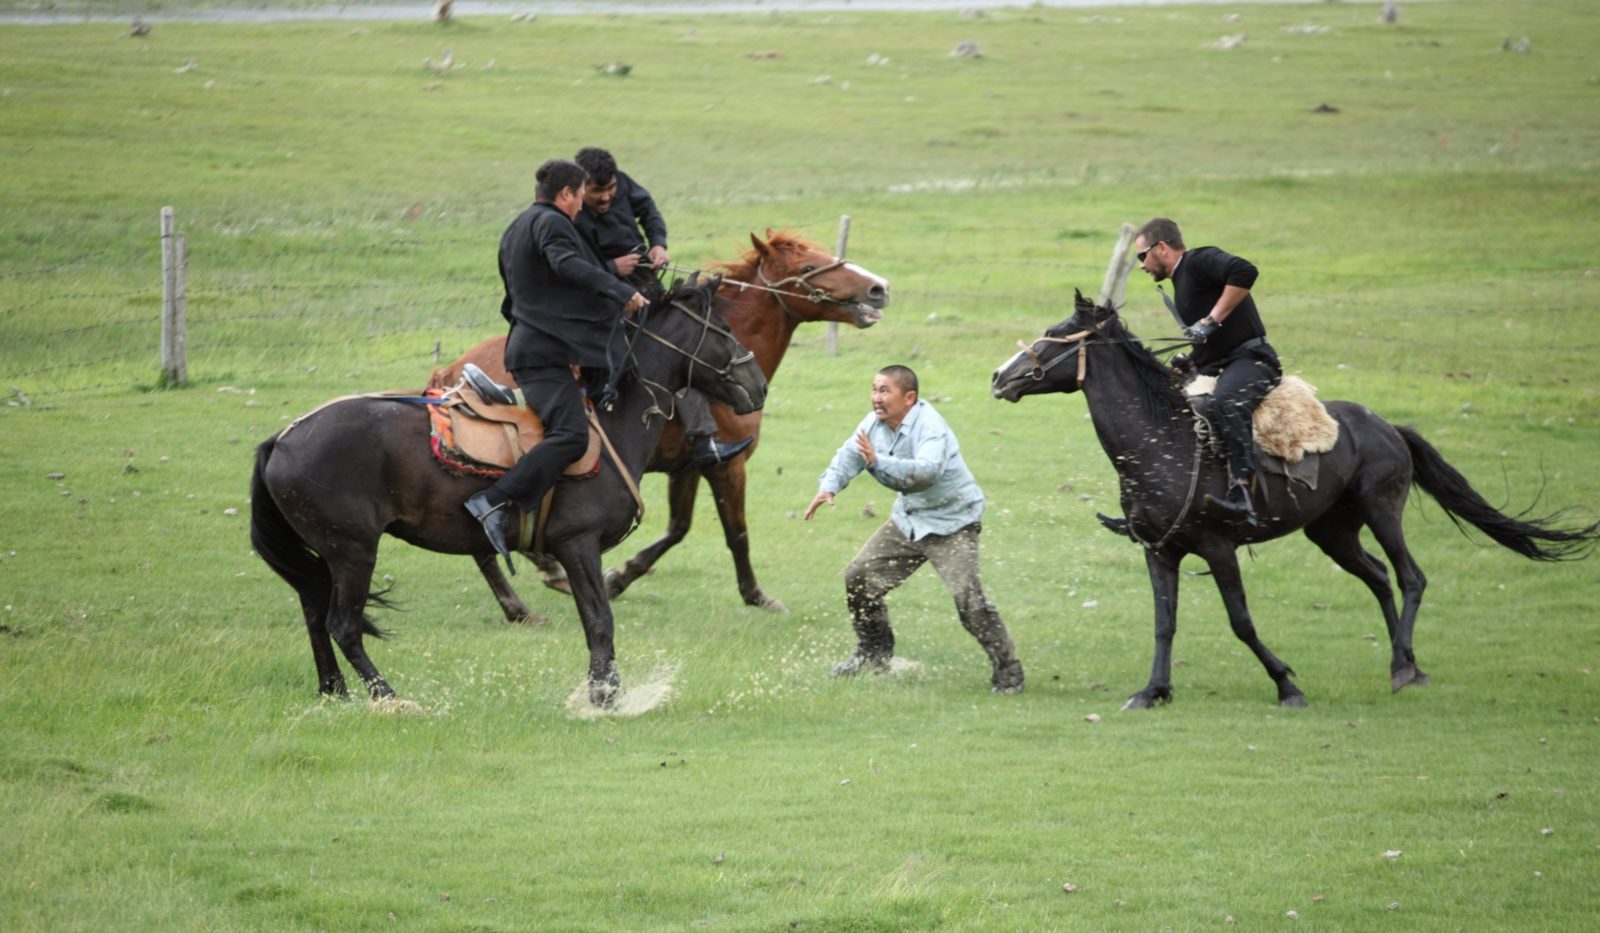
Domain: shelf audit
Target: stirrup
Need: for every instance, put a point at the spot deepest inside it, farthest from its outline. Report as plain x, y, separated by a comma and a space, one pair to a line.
486, 387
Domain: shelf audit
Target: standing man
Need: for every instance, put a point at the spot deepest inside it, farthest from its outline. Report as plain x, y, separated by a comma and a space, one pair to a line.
909, 448
615, 208
565, 309
1211, 297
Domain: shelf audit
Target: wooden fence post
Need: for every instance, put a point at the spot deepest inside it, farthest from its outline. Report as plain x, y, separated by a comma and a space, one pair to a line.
174, 304
1115, 286
844, 239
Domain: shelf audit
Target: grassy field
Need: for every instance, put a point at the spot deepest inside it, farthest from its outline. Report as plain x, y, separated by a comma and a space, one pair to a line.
1428, 249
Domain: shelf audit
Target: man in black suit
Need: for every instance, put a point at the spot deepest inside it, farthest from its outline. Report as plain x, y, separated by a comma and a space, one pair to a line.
1211, 297
565, 309
615, 209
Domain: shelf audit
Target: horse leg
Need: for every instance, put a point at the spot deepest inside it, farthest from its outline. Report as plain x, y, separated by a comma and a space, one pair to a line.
1164, 586
681, 488
1225, 570
727, 487
510, 602
347, 619
315, 606
1386, 529
1339, 536
594, 610
550, 574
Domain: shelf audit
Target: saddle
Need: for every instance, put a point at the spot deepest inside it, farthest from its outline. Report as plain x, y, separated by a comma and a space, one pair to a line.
1290, 427
483, 428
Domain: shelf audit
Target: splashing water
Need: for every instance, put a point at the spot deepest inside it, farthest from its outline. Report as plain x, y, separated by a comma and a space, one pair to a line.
635, 698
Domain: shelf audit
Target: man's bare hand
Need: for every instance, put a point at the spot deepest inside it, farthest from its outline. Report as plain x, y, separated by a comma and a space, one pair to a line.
817, 503
867, 450
658, 257
635, 303
626, 263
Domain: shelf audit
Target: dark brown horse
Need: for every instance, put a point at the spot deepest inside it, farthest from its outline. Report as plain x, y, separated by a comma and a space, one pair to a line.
331, 485
1146, 427
780, 283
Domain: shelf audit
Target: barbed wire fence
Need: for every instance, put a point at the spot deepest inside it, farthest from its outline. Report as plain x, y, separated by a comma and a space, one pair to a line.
372, 307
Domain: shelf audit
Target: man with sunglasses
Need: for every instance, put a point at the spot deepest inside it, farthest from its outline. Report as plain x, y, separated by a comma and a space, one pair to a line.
1211, 298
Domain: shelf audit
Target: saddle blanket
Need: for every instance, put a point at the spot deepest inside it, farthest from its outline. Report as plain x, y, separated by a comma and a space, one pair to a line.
473, 436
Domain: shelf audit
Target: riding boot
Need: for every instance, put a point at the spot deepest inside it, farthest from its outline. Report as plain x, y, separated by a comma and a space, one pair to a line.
1237, 507
497, 524
1115, 525
706, 451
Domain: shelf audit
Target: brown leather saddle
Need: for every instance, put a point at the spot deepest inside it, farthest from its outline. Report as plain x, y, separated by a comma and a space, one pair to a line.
486, 427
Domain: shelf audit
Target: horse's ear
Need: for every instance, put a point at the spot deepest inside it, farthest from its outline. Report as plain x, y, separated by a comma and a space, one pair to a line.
1081, 303
761, 247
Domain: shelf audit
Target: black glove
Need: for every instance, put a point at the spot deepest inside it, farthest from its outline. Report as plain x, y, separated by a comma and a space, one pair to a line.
1200, 330
1180, 363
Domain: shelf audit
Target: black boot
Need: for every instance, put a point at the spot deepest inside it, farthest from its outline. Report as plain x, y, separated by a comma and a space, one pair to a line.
497, 524
706, 451
1237, 507
1115, 525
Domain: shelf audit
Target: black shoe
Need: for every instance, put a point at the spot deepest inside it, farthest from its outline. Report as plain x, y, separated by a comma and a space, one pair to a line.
496, 521
1237, 508
490, 390
1115, 525
706, 451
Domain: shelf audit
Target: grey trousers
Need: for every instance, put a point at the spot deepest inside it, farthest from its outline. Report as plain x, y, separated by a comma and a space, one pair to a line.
889, 558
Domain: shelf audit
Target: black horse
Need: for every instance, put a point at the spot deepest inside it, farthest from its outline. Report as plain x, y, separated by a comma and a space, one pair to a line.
325, 490
1145, 426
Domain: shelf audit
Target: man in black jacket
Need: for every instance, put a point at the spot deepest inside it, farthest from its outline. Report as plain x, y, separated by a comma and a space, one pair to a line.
615, 208
1211, 295
565, 310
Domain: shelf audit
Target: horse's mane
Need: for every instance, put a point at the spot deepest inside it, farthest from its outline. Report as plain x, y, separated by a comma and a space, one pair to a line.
744, 268
1161, 396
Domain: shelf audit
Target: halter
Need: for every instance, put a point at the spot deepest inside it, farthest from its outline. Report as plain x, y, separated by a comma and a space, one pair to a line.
1039, 369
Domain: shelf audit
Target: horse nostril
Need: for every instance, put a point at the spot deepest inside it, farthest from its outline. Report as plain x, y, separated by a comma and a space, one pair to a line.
878, 292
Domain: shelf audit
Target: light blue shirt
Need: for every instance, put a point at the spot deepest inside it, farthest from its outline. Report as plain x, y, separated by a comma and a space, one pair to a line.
922, 462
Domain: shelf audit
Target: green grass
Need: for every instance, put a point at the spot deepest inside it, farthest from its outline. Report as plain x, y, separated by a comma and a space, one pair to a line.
1428, 250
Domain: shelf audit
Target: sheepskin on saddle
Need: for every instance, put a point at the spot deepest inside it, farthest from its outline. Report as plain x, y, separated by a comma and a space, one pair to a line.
472, 434
1289, 423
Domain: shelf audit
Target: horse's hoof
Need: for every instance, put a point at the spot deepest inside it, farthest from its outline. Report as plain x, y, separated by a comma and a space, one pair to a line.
1296, 700
762, 601
558, 583
603, 694
380, 689
529, 618
1408, 676
334, 688
1138, 701
616, 584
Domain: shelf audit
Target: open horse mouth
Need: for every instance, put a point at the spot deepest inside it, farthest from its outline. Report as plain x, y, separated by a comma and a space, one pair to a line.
865, 314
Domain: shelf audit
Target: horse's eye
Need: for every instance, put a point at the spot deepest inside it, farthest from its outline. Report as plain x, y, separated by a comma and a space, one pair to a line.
808, 269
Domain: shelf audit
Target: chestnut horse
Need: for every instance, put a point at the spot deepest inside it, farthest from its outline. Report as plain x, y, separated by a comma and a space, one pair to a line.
782, 282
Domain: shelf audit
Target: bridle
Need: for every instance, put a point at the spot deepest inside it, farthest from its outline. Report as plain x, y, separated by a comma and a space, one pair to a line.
805, 289
708, 326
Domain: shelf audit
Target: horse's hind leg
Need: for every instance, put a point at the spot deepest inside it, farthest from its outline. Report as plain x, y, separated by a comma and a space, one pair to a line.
1225, 570
594, 609
516, 612
681, 489
1386, 529
1339, 536
347, 620
314, 605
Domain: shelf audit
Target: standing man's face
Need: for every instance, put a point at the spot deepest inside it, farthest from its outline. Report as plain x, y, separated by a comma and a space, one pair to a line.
599, 198
890, 402
569, 201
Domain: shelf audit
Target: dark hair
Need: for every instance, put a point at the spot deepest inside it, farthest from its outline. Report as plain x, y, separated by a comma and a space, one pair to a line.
555, 175
598, 163
1162, 230
901, 376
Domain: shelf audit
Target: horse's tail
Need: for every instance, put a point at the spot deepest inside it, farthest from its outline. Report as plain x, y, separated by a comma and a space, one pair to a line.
276, 541
1533, 538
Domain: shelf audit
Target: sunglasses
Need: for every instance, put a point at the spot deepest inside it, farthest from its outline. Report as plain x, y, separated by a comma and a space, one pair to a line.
1145, 252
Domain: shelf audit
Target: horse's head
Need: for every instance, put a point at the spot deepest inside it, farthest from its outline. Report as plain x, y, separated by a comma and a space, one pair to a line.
699, 350
1054, 362
811, 284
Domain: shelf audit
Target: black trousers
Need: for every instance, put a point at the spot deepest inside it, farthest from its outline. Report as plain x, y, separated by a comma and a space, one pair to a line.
1243, 381
557, 399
